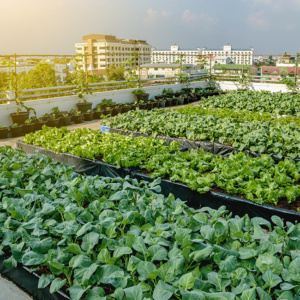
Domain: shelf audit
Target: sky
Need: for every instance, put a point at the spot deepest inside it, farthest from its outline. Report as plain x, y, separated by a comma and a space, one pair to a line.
54, 26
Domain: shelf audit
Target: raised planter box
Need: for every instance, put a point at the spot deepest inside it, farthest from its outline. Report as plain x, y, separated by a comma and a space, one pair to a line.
238, 206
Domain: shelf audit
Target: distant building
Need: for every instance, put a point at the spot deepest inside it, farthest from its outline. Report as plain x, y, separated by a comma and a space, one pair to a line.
237, 56
285, 61
161, 70
174, 55
108, 50
234, 69
275, 73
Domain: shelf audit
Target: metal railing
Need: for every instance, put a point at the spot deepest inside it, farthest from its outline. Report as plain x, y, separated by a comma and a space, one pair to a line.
56, 91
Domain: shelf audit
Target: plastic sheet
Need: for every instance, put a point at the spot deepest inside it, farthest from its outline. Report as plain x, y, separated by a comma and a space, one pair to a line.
29, 282
211, 147
238, 206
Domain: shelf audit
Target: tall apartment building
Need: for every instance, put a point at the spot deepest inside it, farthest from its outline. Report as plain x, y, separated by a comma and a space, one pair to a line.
174, 54
237, 56
107, 50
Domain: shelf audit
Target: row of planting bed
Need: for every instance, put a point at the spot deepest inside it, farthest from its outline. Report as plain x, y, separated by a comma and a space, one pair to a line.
258, 179
239, 129
23, 124
98, 238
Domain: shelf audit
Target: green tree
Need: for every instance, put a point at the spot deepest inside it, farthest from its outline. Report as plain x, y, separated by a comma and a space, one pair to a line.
115, 73
43, 75
270, 61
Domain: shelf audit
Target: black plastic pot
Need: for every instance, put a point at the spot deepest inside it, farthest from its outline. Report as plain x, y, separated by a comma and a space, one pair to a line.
125, 109
20, 117
162, 103
116, 111
77, 119
65, 121
180, 101
143, 97
88, 116
169, 102
186, 100
158, 97
143, 106
53, 123
155, 104
149, 106
39, 125
107, 112
97, 114
84, 107
16, 131
27, 128
174, 101
3, 133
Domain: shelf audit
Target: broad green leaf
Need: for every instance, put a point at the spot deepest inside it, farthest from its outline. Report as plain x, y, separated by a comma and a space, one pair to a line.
187, 281
119, 251
57, 284
45, 280
134, 293
271, 279
32, 258
294, 269
73, 248
157, 253
267, 262
249, 294
163, 291
76, 292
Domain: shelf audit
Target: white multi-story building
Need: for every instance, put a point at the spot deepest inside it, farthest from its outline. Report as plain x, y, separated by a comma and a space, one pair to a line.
237, 56
107, 50
174, 55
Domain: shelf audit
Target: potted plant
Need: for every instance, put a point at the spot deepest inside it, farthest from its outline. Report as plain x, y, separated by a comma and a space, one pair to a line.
22, 113
116, 110
46, 117
107, 111
53, 121
155, 103
162, 103
28, 126
39, 123
174, 101
88, 116
65, 120
244, 82
169, 102
82, 90
3, 132
16, 130
77, 117
98, 111
291, 85
57, 112
125, 108
141, 95
142, 104
180, 100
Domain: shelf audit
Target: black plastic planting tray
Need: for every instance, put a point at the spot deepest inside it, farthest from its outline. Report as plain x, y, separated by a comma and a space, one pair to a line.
28, 281
211, 147
238, 206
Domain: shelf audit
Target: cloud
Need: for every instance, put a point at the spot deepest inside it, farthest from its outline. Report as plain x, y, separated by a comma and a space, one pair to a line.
204, 19
258, 21
154, 15
166, 14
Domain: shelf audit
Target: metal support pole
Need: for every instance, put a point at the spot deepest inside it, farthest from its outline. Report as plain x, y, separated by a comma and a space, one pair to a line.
16, 77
